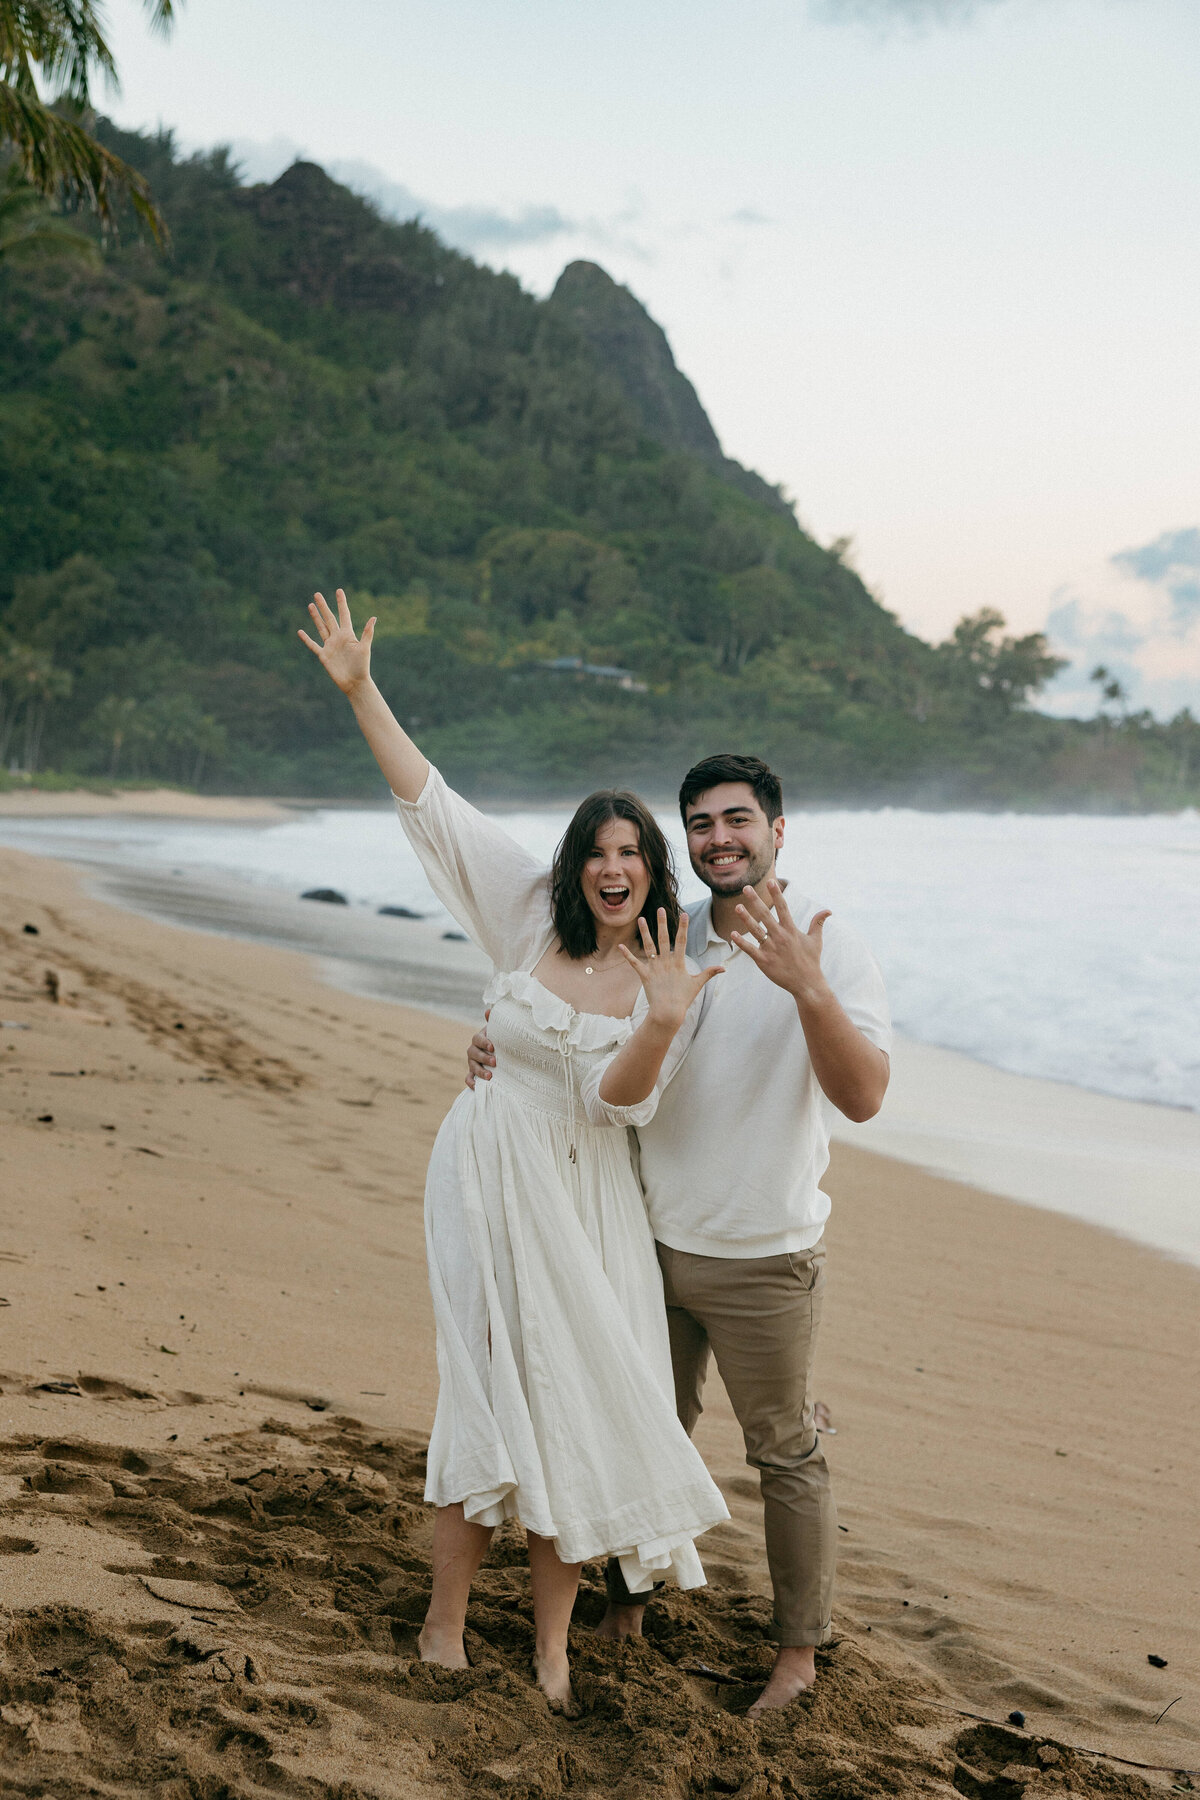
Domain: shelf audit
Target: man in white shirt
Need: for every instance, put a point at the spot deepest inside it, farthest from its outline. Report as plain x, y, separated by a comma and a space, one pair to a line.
731, 1164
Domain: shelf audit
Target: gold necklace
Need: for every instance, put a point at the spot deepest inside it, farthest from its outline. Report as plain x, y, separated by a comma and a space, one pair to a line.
588, 969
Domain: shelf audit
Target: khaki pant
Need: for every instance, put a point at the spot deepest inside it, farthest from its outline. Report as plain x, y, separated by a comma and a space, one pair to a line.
759, 1317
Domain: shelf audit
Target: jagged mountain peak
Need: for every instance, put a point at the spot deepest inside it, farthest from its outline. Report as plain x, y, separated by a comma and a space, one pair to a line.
634, 350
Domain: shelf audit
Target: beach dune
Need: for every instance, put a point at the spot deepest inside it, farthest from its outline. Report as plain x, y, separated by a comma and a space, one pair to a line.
217, 1373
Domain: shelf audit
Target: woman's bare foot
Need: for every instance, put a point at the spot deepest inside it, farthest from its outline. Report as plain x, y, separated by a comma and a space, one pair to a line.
795, 1670
621, 1622
442, 1647
553, 1674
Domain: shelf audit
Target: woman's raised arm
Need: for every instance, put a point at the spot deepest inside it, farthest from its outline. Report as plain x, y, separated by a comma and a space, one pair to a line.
347, 661
498, 893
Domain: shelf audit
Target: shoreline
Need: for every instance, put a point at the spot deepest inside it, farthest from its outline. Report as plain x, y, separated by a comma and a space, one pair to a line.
213, 1258
174, 803
1130, 1167
147, 803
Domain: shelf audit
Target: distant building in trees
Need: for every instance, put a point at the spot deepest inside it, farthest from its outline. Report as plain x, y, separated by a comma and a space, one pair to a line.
586, 671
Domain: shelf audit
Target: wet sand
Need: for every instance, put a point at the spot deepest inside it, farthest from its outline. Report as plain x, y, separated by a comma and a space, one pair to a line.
155, 803
217, 1372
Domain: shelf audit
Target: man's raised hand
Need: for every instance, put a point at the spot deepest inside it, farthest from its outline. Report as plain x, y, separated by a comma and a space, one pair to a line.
789, 957
481, 1055
344, 657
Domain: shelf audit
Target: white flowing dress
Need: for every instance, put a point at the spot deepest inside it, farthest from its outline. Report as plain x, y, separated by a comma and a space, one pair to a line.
556, 1401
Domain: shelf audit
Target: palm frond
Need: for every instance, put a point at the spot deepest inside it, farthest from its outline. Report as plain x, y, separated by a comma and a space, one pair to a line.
162, 15
56, 155
63, 39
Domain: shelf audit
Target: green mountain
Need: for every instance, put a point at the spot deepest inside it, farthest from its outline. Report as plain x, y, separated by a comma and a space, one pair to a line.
573, 583
630, 347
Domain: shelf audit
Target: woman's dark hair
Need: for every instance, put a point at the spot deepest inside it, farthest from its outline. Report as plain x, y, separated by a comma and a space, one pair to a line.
573, 918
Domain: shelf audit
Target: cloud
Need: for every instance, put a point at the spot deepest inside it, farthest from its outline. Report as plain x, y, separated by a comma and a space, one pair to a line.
488, 232
469, 228
1153, 562
256, 161
1171, 562
474, 229
1139, 615
898, 12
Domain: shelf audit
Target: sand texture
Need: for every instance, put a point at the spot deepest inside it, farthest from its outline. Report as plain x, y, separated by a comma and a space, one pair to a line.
217, 1371
1124, 1164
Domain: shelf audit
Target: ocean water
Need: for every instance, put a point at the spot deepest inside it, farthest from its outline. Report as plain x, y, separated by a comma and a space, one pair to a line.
1065, 947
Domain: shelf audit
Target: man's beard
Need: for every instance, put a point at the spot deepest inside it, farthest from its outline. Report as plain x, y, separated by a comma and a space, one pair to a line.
724, 883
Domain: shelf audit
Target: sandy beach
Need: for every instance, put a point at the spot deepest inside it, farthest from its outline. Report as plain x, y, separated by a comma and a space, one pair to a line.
133, 803
216, 1364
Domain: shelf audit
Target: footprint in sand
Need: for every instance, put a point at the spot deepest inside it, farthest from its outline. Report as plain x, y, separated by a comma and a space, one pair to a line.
292, 1573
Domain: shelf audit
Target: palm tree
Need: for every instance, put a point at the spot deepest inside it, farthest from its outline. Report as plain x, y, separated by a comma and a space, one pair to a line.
10, 696
33, 683
63, 42
29, 228
113, 721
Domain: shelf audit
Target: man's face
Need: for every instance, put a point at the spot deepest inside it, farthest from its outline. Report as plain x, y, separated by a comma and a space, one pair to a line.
731, 842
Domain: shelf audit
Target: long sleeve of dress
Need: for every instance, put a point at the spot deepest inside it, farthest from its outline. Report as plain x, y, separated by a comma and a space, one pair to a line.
599, 1111
497, 892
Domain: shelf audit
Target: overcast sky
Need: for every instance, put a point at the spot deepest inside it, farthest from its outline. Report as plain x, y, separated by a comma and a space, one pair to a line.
934, 265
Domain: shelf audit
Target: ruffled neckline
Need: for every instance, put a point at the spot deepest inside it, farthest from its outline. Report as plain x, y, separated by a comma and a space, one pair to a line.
582, 1030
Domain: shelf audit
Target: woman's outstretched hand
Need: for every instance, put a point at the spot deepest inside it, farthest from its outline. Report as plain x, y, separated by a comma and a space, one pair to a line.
345, 658
670, 989
663, 972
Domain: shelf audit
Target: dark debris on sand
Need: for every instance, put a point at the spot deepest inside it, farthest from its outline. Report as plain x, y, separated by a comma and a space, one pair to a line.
312, 1689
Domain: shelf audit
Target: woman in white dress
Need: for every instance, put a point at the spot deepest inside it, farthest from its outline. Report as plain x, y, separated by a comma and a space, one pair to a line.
555, 1401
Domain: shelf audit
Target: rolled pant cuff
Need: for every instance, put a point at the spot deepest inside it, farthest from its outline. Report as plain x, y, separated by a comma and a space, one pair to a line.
617, 1590
797, 1637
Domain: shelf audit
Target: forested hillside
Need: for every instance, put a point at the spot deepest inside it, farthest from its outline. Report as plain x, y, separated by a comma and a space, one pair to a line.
301, 394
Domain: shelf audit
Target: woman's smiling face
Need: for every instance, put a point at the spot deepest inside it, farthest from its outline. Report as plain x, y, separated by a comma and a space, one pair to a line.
614, 878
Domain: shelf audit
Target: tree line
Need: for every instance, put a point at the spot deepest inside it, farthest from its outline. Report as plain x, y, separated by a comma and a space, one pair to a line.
208, 412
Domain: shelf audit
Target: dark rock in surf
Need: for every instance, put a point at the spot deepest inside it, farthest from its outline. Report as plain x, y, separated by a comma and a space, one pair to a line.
398, 912
330, 896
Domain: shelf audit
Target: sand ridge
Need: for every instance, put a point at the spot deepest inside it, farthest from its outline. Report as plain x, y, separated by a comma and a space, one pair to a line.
212, 1255
276, 1585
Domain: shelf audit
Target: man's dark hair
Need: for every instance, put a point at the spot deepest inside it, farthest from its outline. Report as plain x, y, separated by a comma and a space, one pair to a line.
713, 770
573, 919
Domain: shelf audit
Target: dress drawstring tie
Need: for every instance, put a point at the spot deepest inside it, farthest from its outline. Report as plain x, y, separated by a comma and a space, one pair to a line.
566, 1051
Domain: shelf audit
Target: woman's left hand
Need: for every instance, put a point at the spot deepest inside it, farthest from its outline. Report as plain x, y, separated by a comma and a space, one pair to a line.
346, 659
663, 972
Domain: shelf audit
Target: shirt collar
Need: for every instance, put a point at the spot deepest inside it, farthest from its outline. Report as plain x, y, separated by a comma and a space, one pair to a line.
712, 940
703, 921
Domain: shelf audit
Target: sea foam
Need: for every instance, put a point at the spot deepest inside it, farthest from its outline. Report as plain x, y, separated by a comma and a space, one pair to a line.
1064, 946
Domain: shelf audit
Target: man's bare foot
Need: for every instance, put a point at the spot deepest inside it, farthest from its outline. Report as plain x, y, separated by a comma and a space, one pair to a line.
621, 1622
442, 1647
795, 1670
552, 1672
